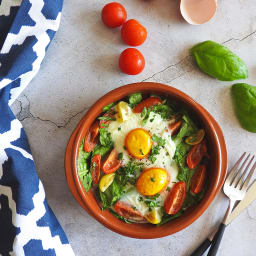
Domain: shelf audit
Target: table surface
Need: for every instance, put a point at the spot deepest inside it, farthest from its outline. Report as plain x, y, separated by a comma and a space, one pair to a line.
82, 65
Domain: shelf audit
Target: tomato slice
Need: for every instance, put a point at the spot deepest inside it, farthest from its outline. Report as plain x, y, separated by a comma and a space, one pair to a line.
196, 138
175, 126
196, 153
198, 180
111, 164
151, 101
110, 114
175, 198
95, 168
90, 138
127, 211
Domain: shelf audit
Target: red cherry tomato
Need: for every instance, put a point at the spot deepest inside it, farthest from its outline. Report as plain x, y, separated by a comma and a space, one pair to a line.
113, 15
125, 210
131, 61
198, 180
175, 126
151, 101
175, 198
90, 138
95, 168
133, 33
111, 164
196, 153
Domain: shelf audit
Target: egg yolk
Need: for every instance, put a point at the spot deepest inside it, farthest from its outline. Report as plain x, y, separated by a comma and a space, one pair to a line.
138, 143
152, 181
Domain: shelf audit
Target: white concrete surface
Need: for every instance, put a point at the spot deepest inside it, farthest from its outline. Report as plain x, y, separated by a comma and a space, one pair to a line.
82, 64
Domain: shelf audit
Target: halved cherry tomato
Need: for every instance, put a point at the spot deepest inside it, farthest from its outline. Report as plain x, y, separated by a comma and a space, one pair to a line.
111, 164
196, 153
90, 138
196, 138
125, 210
175, 198
198, 180
133, 33
95, 168
151, 101
175, 126
113, 15
110, 114
131, 61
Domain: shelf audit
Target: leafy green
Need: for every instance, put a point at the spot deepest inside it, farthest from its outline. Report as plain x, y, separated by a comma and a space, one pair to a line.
107, 118
124, 175
82, 168
151, 201
145, 115
164, 110
105, 138
101, 150
218, 61
134, 99
160, 142
156, 149
166, 217
108, 107
244, 99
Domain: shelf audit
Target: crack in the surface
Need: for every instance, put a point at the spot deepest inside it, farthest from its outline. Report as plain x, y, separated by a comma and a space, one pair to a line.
240, 39
28, 115
249, 216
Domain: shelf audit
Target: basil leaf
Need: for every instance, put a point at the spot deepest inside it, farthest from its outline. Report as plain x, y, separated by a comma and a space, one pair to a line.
108, 107
244, 99
218, 61
82, 168
134, 99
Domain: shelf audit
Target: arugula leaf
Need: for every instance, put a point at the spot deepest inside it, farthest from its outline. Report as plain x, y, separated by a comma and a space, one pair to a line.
134, 99
244, 99
101, 150
82, 168
105, 138
218, 61
108, 107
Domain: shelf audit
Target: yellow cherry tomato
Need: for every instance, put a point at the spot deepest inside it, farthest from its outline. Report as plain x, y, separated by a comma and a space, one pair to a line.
106, 181
155, 216
138, 143
196, 138
152, 181
123, 111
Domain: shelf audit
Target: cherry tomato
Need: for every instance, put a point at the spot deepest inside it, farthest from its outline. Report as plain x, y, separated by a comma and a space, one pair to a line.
175, 198
111, 164
196, 153
113, 15
133, 33
95, 168
198, 180
175, 126
103, 123
196, 138
90, 138
125, 210
131, 61
151, 101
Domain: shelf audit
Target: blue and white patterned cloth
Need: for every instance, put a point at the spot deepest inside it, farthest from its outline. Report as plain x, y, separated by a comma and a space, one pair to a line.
27, 224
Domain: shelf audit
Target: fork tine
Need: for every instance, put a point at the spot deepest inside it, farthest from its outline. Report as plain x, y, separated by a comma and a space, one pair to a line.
238, 174
246, 183
241, 180
232, 172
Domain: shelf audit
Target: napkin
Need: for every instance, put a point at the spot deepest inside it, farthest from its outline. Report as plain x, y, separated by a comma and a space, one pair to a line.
27, 224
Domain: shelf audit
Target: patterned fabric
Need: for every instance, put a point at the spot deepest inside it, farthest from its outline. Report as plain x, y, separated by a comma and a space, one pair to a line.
27, 224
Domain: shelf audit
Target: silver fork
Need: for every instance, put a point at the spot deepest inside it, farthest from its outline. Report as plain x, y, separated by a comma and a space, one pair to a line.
234, 188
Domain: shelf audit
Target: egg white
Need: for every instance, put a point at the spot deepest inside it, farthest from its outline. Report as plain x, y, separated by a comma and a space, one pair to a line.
154, 125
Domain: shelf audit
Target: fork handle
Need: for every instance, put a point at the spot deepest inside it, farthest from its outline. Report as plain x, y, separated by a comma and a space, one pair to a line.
216, 240
202, 247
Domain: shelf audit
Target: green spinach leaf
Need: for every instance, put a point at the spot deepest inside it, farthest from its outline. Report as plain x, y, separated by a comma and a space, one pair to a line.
244, 99
105, 138
218, 61
134, 99
101, 150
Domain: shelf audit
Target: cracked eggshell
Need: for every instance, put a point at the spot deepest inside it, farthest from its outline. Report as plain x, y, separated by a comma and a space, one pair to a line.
216, 170
198, 12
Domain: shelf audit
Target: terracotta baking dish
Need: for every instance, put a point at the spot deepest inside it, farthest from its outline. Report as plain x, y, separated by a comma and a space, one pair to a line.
216, 171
